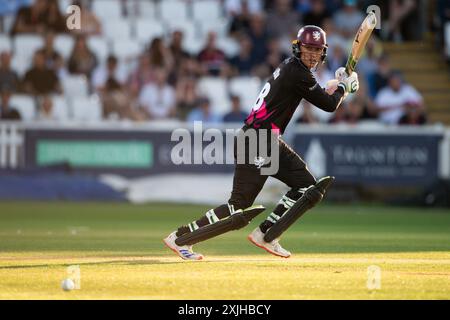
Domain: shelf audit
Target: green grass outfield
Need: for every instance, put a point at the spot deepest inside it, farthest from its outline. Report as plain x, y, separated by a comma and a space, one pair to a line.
119, 251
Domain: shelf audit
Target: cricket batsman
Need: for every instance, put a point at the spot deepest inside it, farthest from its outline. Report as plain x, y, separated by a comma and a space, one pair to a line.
291, 82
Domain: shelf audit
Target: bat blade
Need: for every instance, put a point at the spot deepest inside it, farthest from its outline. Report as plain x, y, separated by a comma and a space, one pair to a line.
363, 34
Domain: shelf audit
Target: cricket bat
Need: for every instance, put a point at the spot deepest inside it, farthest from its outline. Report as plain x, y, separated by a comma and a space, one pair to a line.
363, 34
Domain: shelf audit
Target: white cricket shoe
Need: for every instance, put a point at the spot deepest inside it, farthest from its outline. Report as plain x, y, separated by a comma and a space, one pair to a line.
257, 238
185, 252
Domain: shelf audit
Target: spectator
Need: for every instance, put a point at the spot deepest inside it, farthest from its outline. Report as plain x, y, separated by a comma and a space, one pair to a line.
317, 14
282, 20
243, 62
240, 21
90, 23
203, 113
8, 78
337, 57
159, 55
190, 68
236, 114
307, 115
158, 98
186, 96
55, 21
45, 111
117, 103
236, 7
176, 48
49, 52
355, 110
404, 21
348, 19
111, 72
274, 57
31, 19
141, 76
40, 80
368, 64
443, 17
379, 79
7, 112
393, 101
260, 37
82, 60
414, 114
212, 60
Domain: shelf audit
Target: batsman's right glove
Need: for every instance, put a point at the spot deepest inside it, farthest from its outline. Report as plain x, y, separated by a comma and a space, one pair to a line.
350, 84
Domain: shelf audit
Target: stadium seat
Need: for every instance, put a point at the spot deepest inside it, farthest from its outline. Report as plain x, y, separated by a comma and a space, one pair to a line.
216, 90
206, 10
63, 5
26, 106
219, 26
5, 43
141, 8
21, 64
188, 27
60, 108
193, 46
247, 88
87, 109
64, 45
117, 29
8, 22
27, 44
75, 86
173, 10
229, 46
99, 47
107, 9
146, 30
127, 49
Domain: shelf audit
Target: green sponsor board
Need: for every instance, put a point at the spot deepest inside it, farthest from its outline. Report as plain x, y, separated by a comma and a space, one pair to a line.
112, 154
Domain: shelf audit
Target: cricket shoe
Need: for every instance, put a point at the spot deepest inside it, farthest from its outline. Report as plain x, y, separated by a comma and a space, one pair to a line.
185, 252
274, 247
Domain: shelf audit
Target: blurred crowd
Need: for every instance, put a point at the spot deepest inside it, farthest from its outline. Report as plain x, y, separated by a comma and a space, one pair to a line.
162, 80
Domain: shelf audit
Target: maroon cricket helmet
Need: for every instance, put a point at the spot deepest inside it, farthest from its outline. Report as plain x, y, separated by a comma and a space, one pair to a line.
312, 36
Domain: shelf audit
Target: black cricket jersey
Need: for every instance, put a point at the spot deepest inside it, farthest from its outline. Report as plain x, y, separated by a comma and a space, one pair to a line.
291, 82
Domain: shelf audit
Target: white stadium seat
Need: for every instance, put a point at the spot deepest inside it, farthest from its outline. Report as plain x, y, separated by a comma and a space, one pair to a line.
127, 49
8, 22
107, 9
216, 90
247, 88
75, 86
27, 44
188, 28
229, 46
25, 105
60, 108
206, 10
21, 64
87, 109
64, 45
219, 26
99, 47
193, 46
146, 30
117, 29
141, 8
173, 10
63, 5
5, 43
